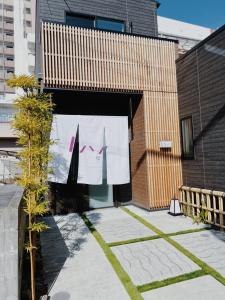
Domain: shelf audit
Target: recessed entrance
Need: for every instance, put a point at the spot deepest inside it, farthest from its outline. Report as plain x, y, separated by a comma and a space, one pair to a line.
78, 197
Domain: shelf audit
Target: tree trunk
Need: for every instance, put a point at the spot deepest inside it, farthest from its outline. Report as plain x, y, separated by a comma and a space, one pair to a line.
32, 266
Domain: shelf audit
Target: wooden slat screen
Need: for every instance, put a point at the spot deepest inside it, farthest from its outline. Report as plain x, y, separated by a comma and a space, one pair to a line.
81, 58
163, 165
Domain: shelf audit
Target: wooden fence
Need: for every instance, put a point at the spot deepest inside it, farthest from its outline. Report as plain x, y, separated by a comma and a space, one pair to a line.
195, 200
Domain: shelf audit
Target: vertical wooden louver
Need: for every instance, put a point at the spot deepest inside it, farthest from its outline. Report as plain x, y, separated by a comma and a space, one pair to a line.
86, 59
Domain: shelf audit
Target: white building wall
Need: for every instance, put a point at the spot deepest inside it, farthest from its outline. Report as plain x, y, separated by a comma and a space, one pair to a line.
187, 34
24, 38
24, 58
19, 38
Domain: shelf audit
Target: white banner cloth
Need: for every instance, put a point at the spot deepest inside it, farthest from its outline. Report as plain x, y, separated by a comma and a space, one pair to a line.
117, 151
91, 139
91, 142
63, 133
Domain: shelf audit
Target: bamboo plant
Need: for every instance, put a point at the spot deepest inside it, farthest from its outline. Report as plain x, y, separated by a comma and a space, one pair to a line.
32, 124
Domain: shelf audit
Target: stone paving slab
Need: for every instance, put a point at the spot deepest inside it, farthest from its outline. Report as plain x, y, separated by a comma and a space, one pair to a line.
74, 264
115, 225
209, 246
202, 288
165, 222
153, 260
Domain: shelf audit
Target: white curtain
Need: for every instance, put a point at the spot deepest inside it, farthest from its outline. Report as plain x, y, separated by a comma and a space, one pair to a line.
117, 151
91, 142
63, 133
92, 132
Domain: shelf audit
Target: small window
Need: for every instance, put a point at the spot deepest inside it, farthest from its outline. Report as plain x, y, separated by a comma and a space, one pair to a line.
28, 23
107, 24
94, 22
28, 10
8, 7
80, 21
187, 138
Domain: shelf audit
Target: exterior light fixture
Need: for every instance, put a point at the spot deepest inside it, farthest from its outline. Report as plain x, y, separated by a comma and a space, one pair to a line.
175, 207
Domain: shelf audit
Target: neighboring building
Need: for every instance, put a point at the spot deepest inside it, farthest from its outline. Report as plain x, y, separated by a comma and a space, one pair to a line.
104, 58
17, 46
201, 90
187, 34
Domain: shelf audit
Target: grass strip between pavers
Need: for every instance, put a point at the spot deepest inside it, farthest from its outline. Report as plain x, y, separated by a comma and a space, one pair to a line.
154, 237
131, 241
123, 276
205, 267
168, 281
188, 231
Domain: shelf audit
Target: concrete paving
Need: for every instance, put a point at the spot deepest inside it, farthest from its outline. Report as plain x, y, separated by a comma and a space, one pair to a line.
165, 222
153, 260
202, 288
115, 225
209, 246
75, 266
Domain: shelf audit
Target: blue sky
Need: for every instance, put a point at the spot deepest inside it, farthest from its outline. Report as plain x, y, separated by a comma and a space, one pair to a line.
209, 13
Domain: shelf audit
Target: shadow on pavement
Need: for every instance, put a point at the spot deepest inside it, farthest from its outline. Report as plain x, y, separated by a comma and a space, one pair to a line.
65, 238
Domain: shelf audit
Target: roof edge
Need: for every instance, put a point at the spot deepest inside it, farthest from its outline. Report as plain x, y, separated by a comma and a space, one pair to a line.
208, 38
175, 41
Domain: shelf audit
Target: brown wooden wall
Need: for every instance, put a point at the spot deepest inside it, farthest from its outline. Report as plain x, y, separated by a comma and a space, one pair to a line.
85, 59
140, 191
163, 165
201, 89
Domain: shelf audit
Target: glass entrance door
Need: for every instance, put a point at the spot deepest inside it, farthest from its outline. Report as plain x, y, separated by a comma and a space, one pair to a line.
101, 195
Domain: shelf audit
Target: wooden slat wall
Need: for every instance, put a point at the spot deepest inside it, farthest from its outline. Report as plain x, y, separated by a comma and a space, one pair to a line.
164, 166
121, 62
140, 190
84, 59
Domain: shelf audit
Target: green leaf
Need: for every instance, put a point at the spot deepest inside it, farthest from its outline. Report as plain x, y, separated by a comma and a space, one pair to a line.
41, 208
23, 81
29, 248
38, 227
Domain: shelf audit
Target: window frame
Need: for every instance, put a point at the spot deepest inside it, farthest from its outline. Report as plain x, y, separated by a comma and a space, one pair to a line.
110, 20
27, 10
28, 22
184, 155
78, 15
95, 18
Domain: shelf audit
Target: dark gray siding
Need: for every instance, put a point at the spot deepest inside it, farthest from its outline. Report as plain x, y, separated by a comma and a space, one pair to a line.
142, 13
201, 92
